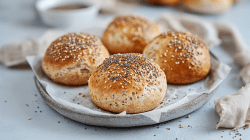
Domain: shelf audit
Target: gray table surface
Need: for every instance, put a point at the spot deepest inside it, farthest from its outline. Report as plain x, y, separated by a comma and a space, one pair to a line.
19, 21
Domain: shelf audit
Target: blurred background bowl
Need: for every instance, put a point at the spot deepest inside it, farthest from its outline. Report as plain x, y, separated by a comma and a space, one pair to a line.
67, 18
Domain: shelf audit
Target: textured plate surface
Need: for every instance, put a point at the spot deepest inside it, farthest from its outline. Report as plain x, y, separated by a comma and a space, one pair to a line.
122, 121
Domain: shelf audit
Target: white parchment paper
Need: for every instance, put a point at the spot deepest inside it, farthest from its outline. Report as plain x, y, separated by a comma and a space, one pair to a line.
78, 97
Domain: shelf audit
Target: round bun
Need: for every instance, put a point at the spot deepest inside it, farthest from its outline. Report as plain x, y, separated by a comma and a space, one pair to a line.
127, 82
164, 2
208, 6
70, 59
129, 33
183, 57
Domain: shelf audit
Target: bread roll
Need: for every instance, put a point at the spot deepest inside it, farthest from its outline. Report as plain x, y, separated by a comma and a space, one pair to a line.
164, 2
129, 33
183, 57
208, 6
127, 82
70, 59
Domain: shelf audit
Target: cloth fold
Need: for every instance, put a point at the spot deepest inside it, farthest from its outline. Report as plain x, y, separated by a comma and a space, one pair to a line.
197, 26
15, 53
241, 50
234, 109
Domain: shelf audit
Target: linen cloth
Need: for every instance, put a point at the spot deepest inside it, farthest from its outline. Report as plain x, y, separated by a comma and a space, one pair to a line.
234, 109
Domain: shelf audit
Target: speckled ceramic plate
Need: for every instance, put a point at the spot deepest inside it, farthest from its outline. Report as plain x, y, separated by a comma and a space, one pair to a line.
129, 120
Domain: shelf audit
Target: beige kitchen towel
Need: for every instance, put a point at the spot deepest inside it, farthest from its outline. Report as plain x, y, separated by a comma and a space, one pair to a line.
240, 51
197, 26
15, 53
234, 109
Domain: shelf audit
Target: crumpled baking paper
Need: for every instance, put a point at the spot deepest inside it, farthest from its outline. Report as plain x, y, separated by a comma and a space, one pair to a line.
176, 95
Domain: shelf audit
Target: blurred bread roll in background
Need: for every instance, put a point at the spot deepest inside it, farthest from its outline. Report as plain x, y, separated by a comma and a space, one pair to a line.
71, 58
183, 57
127, 82
208, 6
163, 2
237, 0
129, 34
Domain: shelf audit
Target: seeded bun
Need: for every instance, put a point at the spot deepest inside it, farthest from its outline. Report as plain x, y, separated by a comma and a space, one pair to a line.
127, 82
164, 2
208, 6
70, 59
129, 34
183, 57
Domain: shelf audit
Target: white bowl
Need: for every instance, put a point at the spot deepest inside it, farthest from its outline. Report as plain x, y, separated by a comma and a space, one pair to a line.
66, 18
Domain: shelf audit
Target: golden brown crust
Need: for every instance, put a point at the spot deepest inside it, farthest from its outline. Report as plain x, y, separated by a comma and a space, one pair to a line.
129, 33
70, 59
183, 57
164, 2
208, 6
127, 82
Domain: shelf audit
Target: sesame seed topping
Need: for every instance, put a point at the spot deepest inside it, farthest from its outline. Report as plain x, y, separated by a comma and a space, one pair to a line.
133, 68
73, 46
186, 44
